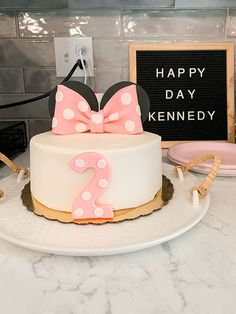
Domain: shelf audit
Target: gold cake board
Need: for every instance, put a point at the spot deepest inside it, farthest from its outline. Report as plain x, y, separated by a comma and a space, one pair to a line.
161, 198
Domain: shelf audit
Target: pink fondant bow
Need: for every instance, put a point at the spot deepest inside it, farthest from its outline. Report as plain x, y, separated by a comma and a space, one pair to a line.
120, 115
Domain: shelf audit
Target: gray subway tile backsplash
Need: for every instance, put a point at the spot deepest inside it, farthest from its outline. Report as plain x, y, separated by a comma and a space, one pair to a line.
7, 24
27, 28
69, 23
40, 79
34, 77
205, 3
11, 80
231, 23
106, 78
39, 126
120, 4
174, 23
30, 4
114, 53
110, 53
38, 109
22, 53
125, 74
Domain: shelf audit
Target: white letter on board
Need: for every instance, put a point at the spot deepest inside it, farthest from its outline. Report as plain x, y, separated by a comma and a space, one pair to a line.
191, 115
180, 116
201, 71
170, 116
180, 94
181, 71
211, 114
191, 93
171, 73
150, 116
192, 71
161, 72
200, 115
169, 94
161, 116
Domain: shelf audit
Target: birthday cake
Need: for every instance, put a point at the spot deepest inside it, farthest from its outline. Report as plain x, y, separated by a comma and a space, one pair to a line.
96, 161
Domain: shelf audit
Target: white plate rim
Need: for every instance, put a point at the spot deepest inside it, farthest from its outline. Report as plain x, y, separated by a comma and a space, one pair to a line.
111, 251
103, 252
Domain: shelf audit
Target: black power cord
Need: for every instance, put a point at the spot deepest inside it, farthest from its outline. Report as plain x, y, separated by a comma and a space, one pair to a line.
23, 102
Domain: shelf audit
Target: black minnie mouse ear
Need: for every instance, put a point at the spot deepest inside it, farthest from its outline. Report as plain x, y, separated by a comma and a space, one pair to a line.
143, 98
79, 87
144, 102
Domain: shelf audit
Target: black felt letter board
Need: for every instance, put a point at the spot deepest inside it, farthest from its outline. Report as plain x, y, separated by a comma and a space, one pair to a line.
202, 113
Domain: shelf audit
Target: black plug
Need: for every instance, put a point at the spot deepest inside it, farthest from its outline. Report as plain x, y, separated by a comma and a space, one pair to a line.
80, 65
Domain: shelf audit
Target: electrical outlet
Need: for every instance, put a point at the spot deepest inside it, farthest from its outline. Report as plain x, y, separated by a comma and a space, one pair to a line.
67, 52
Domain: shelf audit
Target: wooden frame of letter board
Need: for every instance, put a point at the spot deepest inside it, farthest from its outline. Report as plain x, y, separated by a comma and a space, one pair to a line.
228, 47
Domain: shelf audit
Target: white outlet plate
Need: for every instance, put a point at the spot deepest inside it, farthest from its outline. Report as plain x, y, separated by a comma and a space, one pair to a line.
67, 53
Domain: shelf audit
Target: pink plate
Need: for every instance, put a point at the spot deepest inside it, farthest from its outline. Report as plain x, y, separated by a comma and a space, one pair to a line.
182, 153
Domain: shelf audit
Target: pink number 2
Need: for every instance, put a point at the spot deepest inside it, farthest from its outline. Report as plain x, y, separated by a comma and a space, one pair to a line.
84, 205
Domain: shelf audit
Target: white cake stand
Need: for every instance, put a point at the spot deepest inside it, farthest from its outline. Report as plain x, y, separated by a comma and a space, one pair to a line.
23, 228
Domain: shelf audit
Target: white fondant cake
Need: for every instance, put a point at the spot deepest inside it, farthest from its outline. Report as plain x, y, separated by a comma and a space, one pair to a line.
135, 162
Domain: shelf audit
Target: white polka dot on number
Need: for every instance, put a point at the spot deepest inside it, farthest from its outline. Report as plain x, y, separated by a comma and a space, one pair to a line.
80, 163
86, 196
138, 110
54, 123
129, 125
80, 127
83, 106
103, 183
98, 212
78, 212
59, 96
97, 118
126, 99
102, 163
114, 116
68, 114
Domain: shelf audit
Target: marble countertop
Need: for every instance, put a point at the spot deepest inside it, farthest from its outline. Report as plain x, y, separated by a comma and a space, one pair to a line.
193, 274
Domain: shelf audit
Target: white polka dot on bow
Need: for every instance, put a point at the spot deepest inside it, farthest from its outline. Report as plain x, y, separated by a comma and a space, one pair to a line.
114, 116
83, 106
59, 96
129, 125
97, 118
138, 110
54, 122
126, 99
80, 127
68, 114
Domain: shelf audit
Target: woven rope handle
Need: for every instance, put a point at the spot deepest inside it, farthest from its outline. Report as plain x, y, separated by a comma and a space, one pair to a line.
13, 167
202, 188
